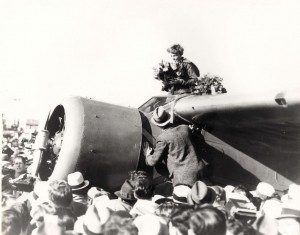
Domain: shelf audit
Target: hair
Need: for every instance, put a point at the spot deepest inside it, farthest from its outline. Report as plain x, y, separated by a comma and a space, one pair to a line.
119, 225
180, 217
242, 190
236, 227
66, 218
143, 188
20, 157
60, 193
208, 220
165, 210
176, 49
11, 222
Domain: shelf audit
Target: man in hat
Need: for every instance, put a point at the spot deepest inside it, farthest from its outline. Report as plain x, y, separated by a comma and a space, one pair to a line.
79, 188
125, 200
177, 148
289, 219
186, 71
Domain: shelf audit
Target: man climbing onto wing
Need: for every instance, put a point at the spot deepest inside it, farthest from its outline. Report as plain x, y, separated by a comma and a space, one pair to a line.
177, 149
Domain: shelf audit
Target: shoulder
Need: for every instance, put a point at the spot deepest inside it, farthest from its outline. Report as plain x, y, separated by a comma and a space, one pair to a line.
188, 63
183, 128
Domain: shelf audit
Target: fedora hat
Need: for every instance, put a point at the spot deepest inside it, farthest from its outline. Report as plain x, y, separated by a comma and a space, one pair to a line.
76, 181
160, 116
201, 194
180, 193
126, 191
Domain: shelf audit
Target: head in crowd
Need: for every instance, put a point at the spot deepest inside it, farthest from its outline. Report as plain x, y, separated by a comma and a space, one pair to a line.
60, 193
65, 216
201, 194
292, 195
289, 219
94, 194
143, 189
180, 193
264, 190
126, 193
207, 220
118, 225
176, 52
149, 224
11, 222
179, 222
241, 189
77, 183
93, 220
165, 209
19, 165
235, 227
9, 202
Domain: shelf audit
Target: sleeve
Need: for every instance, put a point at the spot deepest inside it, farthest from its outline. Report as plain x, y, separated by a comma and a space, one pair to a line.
193, 73
158, 153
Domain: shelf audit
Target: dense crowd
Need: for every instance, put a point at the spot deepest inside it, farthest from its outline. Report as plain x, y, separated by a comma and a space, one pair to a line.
74, 207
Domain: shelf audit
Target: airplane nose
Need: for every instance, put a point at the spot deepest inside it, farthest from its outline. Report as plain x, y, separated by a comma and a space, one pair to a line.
100, 140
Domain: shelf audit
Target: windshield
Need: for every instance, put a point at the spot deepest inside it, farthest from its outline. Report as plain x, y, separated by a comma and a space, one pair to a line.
156, 101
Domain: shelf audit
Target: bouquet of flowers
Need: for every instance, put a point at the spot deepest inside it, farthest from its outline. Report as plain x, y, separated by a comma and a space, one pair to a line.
209, 85
165, 73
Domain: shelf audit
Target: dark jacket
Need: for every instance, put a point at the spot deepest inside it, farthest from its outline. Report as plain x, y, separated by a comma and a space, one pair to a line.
188, 72
176, 147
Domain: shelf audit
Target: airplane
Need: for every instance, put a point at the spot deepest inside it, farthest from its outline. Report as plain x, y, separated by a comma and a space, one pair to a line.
244, 139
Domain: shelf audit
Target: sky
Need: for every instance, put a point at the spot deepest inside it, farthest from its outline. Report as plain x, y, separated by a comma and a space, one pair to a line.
106, 49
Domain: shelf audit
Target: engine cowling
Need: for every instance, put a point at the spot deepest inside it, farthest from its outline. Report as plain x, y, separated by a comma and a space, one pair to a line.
103, 141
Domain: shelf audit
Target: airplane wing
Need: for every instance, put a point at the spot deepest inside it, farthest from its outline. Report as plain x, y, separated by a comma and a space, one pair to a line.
252, 138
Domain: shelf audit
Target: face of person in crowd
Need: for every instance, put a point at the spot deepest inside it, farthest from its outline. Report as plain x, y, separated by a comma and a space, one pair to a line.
288, 226
176, 57
19, 166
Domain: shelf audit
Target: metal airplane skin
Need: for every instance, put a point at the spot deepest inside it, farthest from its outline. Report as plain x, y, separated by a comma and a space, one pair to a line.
247, 139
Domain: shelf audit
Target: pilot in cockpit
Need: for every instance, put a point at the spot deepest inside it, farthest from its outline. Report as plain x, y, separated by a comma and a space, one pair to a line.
186, 71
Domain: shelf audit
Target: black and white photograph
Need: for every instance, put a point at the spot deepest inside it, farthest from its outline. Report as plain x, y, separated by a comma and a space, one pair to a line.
161, 117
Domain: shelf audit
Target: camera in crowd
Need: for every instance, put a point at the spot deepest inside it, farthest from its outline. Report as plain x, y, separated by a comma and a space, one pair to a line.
24, 183
242, 210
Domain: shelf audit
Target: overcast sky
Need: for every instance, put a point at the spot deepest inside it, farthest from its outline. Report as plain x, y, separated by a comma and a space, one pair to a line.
106, 49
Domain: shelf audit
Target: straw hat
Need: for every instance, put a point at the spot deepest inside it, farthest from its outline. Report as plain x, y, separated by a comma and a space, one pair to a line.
180, 193
76, 181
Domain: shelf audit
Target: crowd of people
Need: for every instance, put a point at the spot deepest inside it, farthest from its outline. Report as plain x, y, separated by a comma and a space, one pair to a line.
73, 206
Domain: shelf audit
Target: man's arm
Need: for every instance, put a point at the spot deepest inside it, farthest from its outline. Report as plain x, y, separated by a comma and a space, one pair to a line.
160, 149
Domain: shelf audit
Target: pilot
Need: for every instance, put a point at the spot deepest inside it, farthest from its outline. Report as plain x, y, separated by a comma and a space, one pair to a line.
177, 148
186, 71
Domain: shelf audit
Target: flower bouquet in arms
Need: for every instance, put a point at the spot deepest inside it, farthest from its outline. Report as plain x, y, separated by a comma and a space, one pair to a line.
165, 73
209, 85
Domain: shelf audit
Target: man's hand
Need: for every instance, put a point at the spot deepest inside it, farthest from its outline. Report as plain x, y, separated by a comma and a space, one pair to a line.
147, 150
